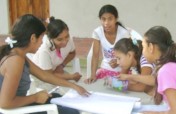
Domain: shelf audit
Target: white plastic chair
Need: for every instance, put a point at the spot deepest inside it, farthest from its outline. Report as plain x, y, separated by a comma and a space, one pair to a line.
133, 35
50, 108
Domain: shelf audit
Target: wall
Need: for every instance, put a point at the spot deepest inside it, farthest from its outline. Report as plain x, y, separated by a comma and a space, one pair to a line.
4, 23
82, 15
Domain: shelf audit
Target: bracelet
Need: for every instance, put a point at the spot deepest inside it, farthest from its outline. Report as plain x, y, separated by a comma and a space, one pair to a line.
62, 65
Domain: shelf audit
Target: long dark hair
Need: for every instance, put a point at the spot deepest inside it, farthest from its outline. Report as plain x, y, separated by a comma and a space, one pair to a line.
112, 10
161, 36
55, 28
125, 45
22, 30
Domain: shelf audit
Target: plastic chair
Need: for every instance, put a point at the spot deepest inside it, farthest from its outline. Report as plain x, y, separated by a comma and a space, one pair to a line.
133, 35
50, 108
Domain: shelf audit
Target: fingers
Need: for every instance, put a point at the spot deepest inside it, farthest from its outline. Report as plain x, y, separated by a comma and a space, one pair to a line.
86, 94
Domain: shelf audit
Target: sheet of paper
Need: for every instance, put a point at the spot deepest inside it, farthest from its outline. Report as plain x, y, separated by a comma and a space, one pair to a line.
99, 103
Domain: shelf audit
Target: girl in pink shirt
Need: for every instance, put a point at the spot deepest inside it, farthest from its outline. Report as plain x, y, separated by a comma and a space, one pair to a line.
159, 48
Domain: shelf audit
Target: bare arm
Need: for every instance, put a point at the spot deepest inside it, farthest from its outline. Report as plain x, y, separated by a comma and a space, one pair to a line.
94, 62
55, 80
144, 77
12, 70
70, 57
60, 68
76, 76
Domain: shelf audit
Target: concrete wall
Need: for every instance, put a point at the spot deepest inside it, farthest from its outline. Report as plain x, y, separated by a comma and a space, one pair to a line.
4, 22
82, 15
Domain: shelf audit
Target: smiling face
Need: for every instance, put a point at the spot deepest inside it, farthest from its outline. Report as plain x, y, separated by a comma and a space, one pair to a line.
108, 22
125, 61
62, 39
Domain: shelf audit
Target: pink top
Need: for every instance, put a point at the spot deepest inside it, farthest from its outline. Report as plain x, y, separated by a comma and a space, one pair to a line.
167, 78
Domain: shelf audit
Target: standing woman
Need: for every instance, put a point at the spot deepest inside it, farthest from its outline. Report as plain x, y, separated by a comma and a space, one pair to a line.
159, 48
15, 67
105, 36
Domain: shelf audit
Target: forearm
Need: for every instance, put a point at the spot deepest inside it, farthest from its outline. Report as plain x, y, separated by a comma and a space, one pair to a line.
145, 79
70, 57
94, 65
19, 101
56, 80
64, 76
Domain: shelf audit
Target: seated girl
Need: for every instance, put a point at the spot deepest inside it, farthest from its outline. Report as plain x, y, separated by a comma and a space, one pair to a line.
129, 57
56, 51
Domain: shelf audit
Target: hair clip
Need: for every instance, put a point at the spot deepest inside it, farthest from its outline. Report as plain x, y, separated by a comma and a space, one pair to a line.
134, 40
10, 42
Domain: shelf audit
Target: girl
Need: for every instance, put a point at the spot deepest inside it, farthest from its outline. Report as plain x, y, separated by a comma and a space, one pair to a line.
15, 67
159, 48
56, 51
105, 37
129, 57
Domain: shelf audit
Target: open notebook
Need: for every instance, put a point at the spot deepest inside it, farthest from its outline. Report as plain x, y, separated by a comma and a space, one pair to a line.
99, 103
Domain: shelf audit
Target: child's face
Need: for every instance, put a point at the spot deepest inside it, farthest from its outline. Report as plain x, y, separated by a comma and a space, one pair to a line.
124, 60
147, 50
62, 39
108, 22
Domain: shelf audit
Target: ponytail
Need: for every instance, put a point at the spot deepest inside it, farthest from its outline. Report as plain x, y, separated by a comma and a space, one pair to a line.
4, 50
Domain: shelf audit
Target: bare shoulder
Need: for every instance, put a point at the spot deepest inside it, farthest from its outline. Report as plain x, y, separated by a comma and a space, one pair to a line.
12, 64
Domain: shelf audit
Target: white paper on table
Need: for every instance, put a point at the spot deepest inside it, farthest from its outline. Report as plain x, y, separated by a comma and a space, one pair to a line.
99, 103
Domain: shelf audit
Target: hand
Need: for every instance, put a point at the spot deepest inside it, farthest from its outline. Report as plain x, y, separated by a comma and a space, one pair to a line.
123, 77
76, 76
108, 81
113, 63
59, 69
42, 96
90, 80
82, 91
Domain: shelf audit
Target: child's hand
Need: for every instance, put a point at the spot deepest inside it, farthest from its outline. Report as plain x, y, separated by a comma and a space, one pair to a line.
42, 96
123, 77
90, 80
113, 63
76, 76
108, 81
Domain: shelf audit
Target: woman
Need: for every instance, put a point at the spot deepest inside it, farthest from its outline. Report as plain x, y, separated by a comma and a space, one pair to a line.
106, 36
15, 67
56, 51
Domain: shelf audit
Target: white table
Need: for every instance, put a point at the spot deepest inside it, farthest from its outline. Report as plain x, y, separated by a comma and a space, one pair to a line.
146, 100
98, 86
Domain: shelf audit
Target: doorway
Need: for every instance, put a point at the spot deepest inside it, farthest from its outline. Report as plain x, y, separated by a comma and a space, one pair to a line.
39, 8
